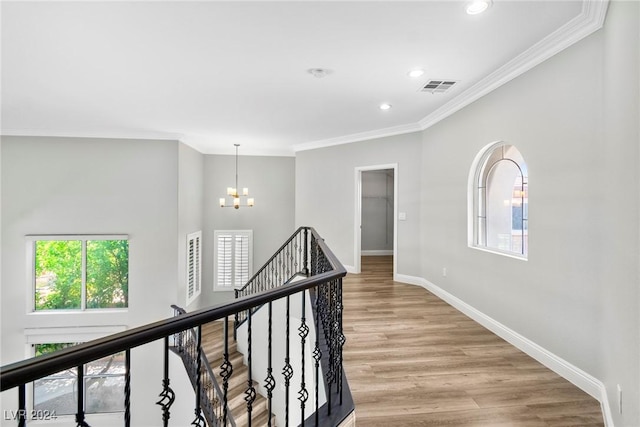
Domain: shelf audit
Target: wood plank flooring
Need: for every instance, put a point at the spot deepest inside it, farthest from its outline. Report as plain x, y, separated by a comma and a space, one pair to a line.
413, 360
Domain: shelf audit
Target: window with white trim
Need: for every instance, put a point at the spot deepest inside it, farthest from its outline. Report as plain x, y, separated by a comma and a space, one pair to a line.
194, 266
103, 385
55, 397
500, 211
79, 272
233, 258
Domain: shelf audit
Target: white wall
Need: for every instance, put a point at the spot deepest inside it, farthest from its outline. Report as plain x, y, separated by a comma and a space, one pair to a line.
326, 193
190, 210
575, 120
271, 181
85, 186
620, 281
553, 121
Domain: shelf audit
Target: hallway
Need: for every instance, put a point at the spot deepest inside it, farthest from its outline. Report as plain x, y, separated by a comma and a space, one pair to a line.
413, 360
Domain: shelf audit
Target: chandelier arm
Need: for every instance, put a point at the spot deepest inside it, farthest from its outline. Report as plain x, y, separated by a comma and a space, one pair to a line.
234, 193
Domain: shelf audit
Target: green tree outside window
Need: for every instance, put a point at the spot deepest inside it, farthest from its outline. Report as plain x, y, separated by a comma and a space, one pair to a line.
61, 283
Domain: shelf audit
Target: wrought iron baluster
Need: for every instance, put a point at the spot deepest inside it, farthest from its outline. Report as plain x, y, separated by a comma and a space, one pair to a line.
305, 254
269, 382
236, 320
80, 414
332, 336
250, 394
317, 354
127, 386
336, 334
167, 396
279, 270
294, 255
341, 337
325, 321
287, 371
296, 250
199, 420
322, 313
22, 406
303, 332
226, 371
314, 255
287, 261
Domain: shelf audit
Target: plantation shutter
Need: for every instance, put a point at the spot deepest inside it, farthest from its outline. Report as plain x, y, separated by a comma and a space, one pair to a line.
191, 283
241, 260
194, 268
224, 260
233, 258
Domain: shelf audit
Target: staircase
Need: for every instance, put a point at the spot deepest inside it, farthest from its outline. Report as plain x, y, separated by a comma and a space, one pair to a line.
198, 339
213, 347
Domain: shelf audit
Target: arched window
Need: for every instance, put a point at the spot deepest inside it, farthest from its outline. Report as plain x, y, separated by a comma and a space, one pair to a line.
500, 200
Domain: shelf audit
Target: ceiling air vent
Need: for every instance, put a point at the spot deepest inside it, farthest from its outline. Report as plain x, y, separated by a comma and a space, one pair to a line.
438, 86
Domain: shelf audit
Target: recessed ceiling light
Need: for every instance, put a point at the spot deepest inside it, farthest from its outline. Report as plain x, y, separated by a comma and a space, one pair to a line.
477, 6
385, 106
416, 72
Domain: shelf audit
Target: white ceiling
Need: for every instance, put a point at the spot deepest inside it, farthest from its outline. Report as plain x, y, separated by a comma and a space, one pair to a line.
217, 73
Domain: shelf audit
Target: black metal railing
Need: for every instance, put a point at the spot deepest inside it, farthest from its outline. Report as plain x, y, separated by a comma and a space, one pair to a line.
212, 400
291, 260
324, 286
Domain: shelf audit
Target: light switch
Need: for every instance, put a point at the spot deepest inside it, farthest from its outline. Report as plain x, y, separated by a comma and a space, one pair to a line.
402, 216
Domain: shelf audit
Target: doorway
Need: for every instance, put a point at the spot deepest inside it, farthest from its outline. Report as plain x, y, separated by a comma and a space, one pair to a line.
376, 208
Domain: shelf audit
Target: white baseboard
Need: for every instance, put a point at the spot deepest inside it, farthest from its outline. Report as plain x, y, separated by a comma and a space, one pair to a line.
350, 269
377, 252
575, 375
606, 408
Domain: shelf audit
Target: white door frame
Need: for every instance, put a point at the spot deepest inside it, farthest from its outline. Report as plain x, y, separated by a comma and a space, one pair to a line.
358, 213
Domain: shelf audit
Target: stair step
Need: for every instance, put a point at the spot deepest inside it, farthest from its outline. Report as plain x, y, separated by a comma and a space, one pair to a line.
214, 354
213, 347
259, 407
235, 358
263, 420
236, 397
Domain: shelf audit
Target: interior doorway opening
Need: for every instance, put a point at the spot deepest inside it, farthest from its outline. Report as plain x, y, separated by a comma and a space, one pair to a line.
376, 219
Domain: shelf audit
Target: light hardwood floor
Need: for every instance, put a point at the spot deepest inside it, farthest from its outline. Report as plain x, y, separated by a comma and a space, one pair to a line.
413, 360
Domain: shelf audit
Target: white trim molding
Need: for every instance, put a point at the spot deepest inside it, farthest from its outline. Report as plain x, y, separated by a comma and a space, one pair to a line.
357, 137
581, 379
590, 20
350, 269
45, 334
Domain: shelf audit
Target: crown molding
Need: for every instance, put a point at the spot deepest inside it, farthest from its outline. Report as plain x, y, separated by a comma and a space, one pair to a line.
590, 19
189, 140
97, 135
356, 137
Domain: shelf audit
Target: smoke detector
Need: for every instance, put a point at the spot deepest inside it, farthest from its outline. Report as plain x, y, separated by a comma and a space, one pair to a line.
319, 72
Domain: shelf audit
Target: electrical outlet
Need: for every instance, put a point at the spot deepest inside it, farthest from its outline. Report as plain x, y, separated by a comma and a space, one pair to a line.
619, 399
444, 271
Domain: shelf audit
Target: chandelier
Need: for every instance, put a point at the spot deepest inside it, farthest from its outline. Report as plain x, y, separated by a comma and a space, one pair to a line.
233, 191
